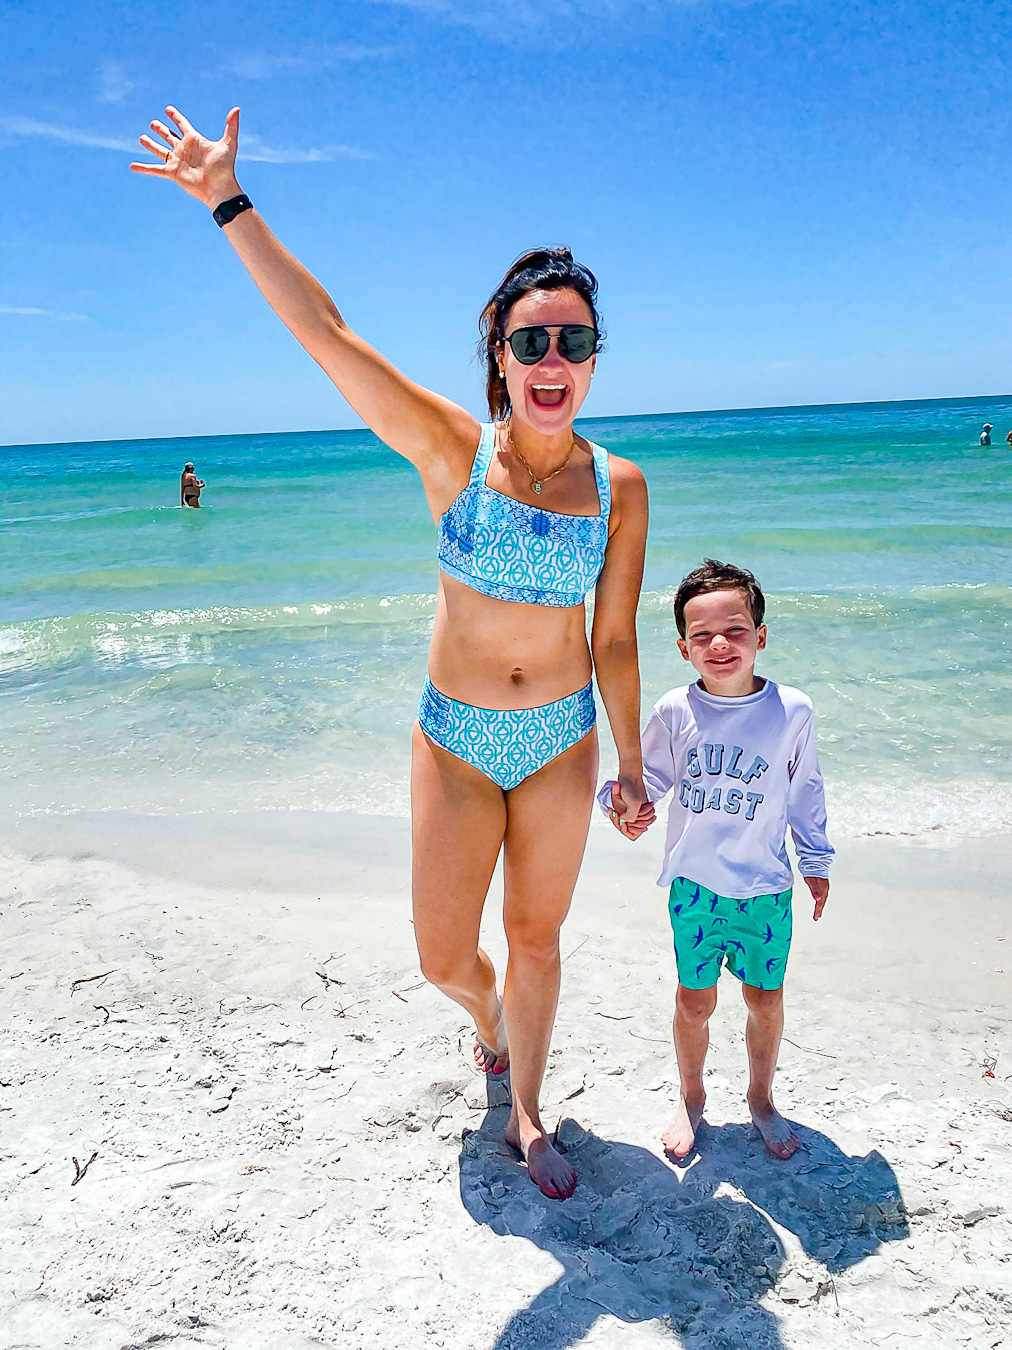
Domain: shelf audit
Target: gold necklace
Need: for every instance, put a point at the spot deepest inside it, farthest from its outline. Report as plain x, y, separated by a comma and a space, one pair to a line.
537, 484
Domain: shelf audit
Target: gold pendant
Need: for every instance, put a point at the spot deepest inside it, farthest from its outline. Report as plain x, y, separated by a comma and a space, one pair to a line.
536, 486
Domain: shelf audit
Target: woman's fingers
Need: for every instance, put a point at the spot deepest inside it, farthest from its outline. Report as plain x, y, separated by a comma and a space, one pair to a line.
160, 169
231, 136
154, 147
166, 133
176, 116
624, 826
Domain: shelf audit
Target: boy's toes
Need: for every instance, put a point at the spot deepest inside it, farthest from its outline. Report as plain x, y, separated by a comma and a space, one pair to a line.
679, 1138
777, 1133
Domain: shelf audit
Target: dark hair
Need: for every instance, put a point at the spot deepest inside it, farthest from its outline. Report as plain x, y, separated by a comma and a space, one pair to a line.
540, 269
187, 466
718, 576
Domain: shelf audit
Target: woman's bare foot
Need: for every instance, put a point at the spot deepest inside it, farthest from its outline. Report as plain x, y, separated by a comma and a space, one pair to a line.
777, 1133
489, 1060
547, 1169
680, 1136
491, 1051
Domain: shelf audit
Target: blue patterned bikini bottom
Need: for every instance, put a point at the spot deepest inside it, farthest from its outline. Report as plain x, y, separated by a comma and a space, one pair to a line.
506, 745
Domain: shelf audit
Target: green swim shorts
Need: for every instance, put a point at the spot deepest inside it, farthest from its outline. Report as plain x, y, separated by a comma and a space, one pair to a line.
751, 937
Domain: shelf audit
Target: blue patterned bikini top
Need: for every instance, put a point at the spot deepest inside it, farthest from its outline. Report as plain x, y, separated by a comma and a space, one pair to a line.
511, 551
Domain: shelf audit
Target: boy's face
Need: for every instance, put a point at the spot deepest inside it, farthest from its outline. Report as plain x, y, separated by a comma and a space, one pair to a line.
722, 641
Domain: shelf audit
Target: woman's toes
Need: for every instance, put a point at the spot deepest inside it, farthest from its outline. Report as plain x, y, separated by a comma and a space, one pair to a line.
488, 1060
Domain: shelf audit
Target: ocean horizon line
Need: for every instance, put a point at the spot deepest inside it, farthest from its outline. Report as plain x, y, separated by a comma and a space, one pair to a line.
767, 409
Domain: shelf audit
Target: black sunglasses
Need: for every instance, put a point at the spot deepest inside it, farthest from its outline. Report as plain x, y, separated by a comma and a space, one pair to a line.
577, 342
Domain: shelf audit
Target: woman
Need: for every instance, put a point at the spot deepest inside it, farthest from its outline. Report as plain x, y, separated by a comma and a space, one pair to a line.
530, 517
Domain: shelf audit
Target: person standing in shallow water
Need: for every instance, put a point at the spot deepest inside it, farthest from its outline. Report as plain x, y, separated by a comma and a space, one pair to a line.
530, 517
189, 487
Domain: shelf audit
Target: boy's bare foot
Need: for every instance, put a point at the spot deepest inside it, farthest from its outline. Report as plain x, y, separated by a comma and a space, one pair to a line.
547, 1169
778, 1135
680, 1136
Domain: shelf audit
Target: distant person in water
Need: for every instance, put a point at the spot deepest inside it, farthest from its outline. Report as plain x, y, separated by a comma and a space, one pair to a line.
985, 435
1008, 439
189, 487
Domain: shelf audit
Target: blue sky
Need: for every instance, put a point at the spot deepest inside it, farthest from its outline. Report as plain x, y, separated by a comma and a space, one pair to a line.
784, 202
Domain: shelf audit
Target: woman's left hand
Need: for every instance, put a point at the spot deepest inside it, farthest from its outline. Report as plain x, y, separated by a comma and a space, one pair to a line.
202, 167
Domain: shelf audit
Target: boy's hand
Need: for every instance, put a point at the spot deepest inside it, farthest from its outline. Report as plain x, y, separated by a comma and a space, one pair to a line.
633, 827
819, 886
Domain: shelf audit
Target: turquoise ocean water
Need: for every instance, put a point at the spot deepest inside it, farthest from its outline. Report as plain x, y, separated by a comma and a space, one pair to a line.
266, 652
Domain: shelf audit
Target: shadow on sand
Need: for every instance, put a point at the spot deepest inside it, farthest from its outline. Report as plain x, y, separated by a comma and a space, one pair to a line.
695, 1248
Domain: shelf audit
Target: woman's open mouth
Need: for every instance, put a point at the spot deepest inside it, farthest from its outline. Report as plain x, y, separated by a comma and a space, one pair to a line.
548, 395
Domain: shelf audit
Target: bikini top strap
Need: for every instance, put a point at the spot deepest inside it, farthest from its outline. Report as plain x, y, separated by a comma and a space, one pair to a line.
603, 476
482, 456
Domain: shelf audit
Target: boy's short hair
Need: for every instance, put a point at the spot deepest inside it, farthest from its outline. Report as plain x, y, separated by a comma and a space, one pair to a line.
718, 576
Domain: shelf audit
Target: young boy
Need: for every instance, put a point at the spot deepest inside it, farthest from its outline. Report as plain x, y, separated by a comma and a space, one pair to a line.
739, 752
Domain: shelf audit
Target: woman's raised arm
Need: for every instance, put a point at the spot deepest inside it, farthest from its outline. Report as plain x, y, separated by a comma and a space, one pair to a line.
435, 434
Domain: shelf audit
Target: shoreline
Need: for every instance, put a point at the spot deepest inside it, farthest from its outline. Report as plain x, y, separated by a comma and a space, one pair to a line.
290, 1159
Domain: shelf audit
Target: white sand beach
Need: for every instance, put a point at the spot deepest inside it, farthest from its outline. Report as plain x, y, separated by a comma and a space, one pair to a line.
291, 1147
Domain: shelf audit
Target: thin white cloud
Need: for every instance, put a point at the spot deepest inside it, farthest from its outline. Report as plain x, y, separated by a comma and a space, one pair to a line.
114, 84
41, 313
316, 55
252, 148
19, 127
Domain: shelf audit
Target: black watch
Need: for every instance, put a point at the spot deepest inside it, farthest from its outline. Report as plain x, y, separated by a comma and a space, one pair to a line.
227, 211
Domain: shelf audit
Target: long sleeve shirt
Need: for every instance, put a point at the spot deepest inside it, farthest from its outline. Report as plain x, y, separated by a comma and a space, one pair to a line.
743, 771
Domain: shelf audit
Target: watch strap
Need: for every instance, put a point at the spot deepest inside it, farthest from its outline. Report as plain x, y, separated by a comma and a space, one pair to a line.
227, 211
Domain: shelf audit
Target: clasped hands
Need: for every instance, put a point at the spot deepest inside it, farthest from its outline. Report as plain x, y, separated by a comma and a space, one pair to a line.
630, 823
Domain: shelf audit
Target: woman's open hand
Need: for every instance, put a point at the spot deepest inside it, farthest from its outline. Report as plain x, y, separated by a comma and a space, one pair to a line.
205, 169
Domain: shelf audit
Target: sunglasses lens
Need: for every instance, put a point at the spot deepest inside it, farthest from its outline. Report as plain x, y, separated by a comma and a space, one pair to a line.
577, 342
529, 344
